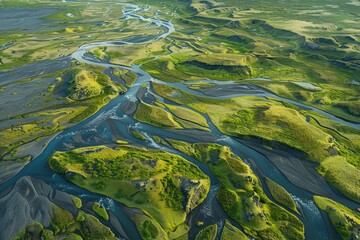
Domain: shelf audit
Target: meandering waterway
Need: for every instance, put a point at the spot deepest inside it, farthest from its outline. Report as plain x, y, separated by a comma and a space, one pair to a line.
97, 130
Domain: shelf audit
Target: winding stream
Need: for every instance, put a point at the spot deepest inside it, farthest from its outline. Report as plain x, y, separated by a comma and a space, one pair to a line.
111, 119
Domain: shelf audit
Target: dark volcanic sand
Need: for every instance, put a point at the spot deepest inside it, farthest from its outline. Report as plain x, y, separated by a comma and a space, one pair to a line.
29, 201
34, 69
25, 19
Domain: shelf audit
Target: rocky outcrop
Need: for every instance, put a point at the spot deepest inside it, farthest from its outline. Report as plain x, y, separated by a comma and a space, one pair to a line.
193, 192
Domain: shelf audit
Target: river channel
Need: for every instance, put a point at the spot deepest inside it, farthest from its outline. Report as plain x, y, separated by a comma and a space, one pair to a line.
99, 129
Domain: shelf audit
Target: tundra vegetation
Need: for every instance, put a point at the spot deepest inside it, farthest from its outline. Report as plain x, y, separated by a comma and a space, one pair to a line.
65, 225
309, 54
274, 123
241, 195
345, 220
77, 94
164, 185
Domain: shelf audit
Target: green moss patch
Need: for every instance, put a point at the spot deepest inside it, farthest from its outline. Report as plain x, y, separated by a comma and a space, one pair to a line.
207, 233
230, 232
164, 185
241, 195
100, 210
345, 221
155, 116
281, 195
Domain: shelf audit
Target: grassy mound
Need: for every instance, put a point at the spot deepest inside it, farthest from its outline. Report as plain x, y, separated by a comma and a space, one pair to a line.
277, 125
65, 225
274, 122
170, 116
188, 115
149, 228
345, 221
100, 210
253, 116
281, 195
342, 175
241, 195
77, 202
164, 185
230, 232
59, 106
207, 233
155, 116
84, 85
